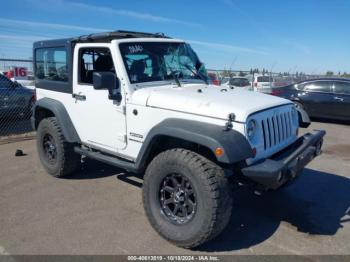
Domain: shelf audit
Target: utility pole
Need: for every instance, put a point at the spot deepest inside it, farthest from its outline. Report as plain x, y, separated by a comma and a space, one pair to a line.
232, 63
271, 68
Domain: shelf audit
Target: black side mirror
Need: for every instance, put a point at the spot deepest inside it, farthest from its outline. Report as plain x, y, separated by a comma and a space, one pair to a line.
109, 81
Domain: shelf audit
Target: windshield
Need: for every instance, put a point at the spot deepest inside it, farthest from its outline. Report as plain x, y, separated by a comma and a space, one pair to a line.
159, 61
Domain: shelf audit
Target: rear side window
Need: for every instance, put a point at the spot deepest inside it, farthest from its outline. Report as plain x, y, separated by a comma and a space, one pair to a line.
320, 86
51, 64
342, 88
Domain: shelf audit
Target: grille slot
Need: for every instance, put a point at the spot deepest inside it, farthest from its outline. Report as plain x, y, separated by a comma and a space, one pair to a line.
276, 129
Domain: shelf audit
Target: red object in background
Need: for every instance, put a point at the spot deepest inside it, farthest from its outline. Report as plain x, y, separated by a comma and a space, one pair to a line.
280, 83
9, 74
34, 95
214, 79
20, 71
17, 72
276, 92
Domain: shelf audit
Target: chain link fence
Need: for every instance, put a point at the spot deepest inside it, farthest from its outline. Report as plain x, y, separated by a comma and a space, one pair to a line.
264, 81
17, 94
17, 97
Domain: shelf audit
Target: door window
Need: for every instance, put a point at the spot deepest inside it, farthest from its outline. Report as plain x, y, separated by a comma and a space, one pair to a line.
94, 60
320, 86
342, 88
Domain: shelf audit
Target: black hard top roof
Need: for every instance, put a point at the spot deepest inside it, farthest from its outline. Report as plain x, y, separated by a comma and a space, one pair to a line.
99, 38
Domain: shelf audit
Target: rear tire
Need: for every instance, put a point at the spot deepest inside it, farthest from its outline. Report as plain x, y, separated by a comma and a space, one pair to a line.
55, 153
206, 194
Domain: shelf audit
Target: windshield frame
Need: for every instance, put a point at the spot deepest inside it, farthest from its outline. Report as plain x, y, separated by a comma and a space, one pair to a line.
159, 82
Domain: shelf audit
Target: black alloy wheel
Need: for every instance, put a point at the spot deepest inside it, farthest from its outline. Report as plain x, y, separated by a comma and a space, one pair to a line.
50, 148
177, 198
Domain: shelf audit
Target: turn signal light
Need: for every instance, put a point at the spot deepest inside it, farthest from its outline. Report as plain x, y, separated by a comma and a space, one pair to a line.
219, 151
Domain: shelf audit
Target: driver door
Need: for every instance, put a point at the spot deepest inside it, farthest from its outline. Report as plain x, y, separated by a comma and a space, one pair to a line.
100, 122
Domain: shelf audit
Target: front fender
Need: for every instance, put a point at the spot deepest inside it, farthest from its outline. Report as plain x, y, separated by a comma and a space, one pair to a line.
235, 145
304, 119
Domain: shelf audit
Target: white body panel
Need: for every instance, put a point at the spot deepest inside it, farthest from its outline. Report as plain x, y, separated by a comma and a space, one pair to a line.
211, 101
99, 121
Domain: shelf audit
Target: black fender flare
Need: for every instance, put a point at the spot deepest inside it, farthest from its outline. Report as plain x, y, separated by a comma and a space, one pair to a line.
304, 119
62, 116
235, 145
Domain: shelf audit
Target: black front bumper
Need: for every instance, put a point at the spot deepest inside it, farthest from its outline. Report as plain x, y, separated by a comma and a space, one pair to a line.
287, 164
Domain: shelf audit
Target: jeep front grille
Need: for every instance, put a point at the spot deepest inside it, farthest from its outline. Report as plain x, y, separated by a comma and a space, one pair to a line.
276, 129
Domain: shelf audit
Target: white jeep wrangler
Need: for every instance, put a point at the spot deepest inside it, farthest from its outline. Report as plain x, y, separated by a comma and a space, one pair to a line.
142, 102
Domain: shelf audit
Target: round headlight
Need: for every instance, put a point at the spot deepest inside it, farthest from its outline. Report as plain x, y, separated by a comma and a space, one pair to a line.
251, 128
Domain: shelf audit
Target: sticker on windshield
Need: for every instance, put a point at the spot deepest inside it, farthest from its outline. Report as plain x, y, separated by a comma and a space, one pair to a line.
135, 49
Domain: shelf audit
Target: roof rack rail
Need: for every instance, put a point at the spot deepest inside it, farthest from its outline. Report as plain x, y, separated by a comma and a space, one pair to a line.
108, 36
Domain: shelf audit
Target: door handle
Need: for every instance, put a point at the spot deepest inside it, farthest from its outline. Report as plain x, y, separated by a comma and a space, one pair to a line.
79, 97
339, 98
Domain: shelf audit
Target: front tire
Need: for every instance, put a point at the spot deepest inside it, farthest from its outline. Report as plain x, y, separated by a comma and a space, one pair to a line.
186, 197
55, 153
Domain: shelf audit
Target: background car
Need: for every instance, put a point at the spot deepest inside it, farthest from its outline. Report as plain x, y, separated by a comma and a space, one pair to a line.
323, 98
262, 83
279, 81
15, 100
238, 82
213, 78
224, 80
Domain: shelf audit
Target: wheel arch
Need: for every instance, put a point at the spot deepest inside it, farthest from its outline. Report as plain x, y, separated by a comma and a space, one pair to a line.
47, 107
204, 136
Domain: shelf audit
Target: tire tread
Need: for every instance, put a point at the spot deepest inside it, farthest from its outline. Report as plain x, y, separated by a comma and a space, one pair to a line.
216, 185
69, 160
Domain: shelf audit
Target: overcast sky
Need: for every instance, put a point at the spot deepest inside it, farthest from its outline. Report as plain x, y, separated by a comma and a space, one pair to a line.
310, 36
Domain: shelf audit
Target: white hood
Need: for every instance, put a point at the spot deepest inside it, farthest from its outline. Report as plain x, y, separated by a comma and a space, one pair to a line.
211, 101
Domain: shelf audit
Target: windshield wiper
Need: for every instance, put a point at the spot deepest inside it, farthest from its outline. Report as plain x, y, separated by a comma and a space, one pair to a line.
196, 73
176, 78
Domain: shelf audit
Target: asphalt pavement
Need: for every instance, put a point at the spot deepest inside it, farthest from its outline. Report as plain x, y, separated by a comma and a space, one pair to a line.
99, 210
